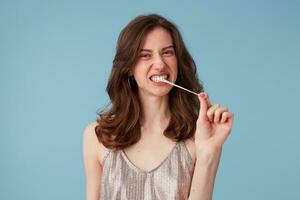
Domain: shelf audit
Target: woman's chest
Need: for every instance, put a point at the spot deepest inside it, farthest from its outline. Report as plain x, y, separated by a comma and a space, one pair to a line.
166, 179
147, 156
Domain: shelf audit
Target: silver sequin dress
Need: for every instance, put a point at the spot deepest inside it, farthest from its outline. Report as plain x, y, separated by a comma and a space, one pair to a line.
121, 179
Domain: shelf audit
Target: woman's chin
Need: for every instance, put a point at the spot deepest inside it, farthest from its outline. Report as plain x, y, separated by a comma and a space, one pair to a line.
161, 93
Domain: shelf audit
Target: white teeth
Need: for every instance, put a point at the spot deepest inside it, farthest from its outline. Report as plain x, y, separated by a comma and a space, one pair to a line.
158, 78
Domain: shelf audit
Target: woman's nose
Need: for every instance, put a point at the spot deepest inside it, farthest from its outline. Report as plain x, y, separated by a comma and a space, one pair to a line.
159, 62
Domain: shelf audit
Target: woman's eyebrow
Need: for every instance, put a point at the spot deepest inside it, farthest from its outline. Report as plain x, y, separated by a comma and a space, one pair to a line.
167, 47
171, 46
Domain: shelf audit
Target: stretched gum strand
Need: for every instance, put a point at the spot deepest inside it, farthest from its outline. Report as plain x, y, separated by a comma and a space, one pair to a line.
166, 81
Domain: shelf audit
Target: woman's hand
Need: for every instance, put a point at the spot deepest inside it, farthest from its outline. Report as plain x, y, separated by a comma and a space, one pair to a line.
213, 127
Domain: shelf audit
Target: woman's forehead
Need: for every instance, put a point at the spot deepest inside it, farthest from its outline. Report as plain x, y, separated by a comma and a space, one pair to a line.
157, 38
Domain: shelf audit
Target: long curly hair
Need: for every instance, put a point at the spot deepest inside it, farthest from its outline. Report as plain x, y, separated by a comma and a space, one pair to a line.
119, 125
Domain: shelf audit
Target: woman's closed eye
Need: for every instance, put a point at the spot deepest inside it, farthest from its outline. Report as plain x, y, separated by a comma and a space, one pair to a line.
168, 53
145, 56
165, 53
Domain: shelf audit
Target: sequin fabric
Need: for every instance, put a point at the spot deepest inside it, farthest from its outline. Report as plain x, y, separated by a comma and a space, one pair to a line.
122, 180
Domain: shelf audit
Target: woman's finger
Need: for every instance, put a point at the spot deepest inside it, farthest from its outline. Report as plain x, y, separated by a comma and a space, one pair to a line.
203, 106
207, 100
218, 113
226, 116
210, 112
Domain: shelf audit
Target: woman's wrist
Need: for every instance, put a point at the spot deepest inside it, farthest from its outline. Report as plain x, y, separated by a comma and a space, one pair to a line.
208, 157
204, 173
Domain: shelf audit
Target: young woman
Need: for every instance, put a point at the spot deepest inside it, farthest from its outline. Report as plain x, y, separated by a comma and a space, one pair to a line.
155, 141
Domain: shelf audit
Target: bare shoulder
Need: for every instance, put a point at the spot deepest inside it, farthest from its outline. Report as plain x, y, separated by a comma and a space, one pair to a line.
92, 143
190, 144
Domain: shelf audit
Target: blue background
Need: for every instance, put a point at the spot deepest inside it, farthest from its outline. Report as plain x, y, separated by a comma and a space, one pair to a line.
55, 59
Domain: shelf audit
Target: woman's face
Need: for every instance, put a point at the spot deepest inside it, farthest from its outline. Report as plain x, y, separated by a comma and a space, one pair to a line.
155, 58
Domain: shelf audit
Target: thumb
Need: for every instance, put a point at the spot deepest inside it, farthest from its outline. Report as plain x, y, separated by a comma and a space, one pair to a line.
203, 106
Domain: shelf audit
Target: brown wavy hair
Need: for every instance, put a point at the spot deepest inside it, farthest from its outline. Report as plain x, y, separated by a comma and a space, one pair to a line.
119, 125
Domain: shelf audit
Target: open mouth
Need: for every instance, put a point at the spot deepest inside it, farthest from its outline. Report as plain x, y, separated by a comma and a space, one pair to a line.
158, 78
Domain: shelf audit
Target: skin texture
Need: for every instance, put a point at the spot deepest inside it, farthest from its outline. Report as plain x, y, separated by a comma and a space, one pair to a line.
213, 125
157, 56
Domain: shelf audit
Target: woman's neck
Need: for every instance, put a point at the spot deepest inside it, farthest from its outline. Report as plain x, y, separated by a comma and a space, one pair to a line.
156, 113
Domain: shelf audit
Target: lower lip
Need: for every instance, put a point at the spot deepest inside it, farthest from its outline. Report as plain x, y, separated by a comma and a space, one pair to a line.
159, 83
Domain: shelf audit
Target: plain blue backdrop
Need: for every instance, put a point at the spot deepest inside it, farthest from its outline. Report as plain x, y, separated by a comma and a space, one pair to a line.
55, 59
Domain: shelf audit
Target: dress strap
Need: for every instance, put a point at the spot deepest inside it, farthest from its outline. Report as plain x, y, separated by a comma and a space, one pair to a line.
106, 154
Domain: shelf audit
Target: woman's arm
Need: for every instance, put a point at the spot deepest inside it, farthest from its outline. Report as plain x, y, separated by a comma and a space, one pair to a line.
204, 176
93, 168
214, 124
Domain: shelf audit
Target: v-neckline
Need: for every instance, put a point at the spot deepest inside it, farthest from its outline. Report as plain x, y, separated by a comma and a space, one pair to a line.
132, 165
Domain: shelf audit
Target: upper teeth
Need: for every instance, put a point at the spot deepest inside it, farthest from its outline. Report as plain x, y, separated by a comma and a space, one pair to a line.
158, 78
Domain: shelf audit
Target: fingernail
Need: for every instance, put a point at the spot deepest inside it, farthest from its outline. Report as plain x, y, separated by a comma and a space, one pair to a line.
202, 95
